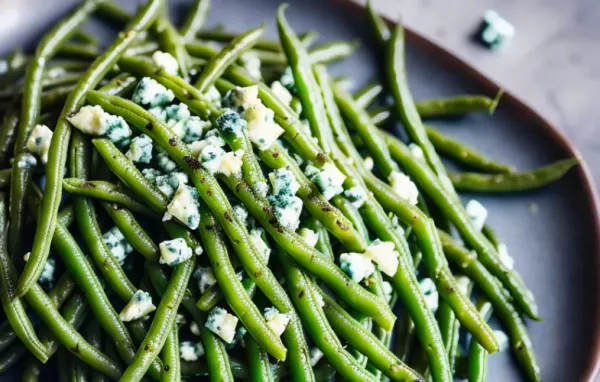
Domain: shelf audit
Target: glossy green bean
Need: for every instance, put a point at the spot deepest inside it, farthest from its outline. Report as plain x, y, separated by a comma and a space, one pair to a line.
85, 37
259, 368
12, 356
513, 182
309, 309
60, 141
457, 105
172, 42
430, 184
233, 290
217, 358
228, 55
171, 371
489, 233
132, 231
305, 82
93, 335
319, 55
20, 179
197, 369
16, 65
8, 135
270, 46
323, 243
378, 24
13, 307
105, 191
368, 94
477, 355
501, 301
366, 343
113, 11
194, 20
163, 318
78, 51
5, 178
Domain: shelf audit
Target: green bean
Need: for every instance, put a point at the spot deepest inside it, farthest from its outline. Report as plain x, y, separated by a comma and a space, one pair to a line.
171, 371
93, 334
194, 20
380, 115
16, 65
378, 24
163, 318
60, 142
142, 49
317, 205
113, 11
228, 55
404, 281
13, 308
368, 94
513, 182
197, 369
265, 45
457, 105
132, 231
501, 301
5, 177
305, 82
172, 42
56, 96
427, 181
10, 121
233, 290
351, 212
21, 176
489, 233
78, 51
477, 354
105, 191
216, 355
323, 243
366, 343
119, 84
130, 175
322, 54
12, 356
305, 299
212, 296
259, 367
84, 37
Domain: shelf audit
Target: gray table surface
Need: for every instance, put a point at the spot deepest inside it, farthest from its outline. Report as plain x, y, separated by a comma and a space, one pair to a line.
553, 64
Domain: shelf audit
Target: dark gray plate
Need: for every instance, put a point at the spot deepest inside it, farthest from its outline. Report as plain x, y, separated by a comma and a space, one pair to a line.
552, 234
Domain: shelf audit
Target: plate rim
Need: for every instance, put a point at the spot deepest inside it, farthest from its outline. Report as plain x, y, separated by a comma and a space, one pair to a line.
523, 108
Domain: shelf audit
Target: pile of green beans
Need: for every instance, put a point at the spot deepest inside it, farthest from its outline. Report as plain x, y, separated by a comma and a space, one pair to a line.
334, 324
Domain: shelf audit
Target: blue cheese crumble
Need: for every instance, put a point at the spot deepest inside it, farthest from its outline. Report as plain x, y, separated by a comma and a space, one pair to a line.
477, 213
95, 121
174, 252
214, 159
47, 276
288, 207
315, 356
165, 163
241, 213
27, 161
495, 31
231, 122
284, 181
194, 328
432, 298
383, 253
205, 277
190, 351
356, 266
117, 244
148, 92
287, 80
356, 195
251, 63
166, 62
257, 239
39, 142
184, 207
139, 306
404, 187
213, 96
166, 183
310, 237
222, 323
276, 321
329, 179
140, 149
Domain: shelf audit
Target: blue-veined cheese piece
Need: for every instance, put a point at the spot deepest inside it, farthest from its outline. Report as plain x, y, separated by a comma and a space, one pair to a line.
241, 213
251, 63
257, 239
210, 158
432, 298
287, 80
140, 149
276, 321
287, 210
387, 291
261, 188
167, 183
284, 182
416, 151
356, 195
238, 338
310, 237
404, 187
174, 252
281, 92
166, 62
495, 31
184, 207
189, 351
177, 112
231, 122
315, 355
502, 339
47, 276
159, 112
383, 253
356, 266
205, 277
117, 130
329, 179
477, 213
231, 163
39, 142
164, 162
148, 92
27, 161
213, 96
222, 323
212, 138
117, 244
504, 257
241, 99
89, 119
139, 306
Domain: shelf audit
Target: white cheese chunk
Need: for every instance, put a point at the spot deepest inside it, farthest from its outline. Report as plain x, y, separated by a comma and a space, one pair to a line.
231, 163
117, 244
387, 291
416, 151
184, 207
462, 284
190, 351
505, 258
150, 93
281, 92
222, 323
369, 163
502, 339
174, 252
383, 253
478, 214
27, 161
140, 149
356, 265
328, 179
310, 237
90, 120
194, 328
251, 63
165, 61
205, 277
404, 187
284, 181
256, 237
356, 195
276, 321
430, 292
315, 355
288, 210
139, 306
39, 142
